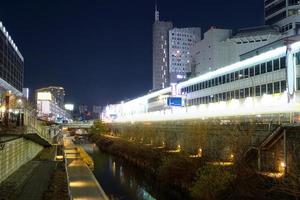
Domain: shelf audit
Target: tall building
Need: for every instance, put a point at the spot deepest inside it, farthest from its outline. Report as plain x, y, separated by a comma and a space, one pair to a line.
285, 14
11, 64
181, 40
47, 107
97, 111
160, 52
58, 94
220, 47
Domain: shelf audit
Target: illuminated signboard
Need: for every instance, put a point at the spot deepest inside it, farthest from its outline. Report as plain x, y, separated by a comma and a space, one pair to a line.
69, 107
174, 101
44, 96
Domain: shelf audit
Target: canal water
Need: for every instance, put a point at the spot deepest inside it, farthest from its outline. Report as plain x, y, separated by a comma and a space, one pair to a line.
122, 181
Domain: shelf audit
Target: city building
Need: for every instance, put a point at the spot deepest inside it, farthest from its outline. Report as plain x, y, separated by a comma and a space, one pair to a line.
265, 85
160, 62
26, 93
181, 40
97, 112
221, 47
284, 14
50, 104
82, 109
11, 64
58, 94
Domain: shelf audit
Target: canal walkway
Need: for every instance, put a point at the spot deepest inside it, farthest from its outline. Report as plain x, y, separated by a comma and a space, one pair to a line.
82, 182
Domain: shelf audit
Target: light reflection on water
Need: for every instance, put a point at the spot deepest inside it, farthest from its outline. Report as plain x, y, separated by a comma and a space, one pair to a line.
117, 180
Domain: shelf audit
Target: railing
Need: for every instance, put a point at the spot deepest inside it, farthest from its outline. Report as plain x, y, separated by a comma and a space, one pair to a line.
34, 126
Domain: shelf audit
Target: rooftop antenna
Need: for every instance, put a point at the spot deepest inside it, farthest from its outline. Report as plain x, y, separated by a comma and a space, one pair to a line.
156, 12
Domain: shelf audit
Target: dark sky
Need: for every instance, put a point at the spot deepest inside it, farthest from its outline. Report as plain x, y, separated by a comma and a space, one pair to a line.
100, 51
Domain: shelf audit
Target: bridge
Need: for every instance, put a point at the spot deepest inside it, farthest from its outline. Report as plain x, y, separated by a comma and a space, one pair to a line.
79, 124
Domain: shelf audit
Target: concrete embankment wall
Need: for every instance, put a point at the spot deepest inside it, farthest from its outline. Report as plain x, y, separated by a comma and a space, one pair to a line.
14, 154
217, 139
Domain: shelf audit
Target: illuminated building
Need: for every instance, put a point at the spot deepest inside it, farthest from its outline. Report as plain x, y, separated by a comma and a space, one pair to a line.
58, 94
181, 40
262, 85
160, 62
48, 108
11, 64
221, 47
285, 14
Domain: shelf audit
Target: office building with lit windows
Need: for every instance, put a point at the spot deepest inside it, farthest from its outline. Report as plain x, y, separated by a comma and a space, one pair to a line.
266, 84
160, 60
181, 40
11, 64
58, 94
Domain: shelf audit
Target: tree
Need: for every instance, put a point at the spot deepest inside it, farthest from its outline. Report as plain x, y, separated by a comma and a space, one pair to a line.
211, 181
99, 127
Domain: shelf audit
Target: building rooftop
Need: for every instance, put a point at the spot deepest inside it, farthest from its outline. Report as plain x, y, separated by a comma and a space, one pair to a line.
254, 34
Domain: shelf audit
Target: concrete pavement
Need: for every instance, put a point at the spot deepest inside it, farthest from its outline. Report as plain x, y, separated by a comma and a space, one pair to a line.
82, 182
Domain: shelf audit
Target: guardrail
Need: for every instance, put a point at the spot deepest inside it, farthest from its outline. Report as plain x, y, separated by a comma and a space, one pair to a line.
34, 126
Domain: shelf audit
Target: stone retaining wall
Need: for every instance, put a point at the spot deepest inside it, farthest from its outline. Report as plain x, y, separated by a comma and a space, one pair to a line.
14, 154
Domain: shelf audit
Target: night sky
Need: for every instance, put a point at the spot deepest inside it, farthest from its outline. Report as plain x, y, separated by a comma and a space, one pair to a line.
100, 51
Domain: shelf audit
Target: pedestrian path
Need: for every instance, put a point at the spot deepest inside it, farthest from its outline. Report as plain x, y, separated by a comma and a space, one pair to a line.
82, 182
31, 180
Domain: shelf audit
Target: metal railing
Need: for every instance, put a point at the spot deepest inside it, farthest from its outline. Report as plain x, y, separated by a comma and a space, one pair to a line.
33, 125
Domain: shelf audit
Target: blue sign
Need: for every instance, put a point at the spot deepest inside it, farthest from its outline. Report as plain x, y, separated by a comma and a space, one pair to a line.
174, 101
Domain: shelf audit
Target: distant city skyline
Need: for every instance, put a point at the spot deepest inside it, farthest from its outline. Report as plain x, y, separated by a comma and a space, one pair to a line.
102, 53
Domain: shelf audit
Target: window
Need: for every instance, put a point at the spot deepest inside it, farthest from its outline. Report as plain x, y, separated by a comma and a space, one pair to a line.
251, 91
220, 80
298, 83
297, 57
241, 74
237, 94
276, 64
213, 82
228, 78
216, 81
246, 72
251, 71
220, 97
236, 75
282, 63
224, 78
257, 90
276, 87
257, 70
242, 93
269, 66
232, 95
247, 92
282, 86
263, 68
209, 83
263, 89
232, 76
270, 88
227, 96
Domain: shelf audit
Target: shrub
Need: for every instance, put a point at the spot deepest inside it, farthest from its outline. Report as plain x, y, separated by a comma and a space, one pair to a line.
211, 182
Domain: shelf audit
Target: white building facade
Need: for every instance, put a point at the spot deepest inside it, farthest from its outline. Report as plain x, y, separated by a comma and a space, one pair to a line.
220, 47
181, 40
285, 14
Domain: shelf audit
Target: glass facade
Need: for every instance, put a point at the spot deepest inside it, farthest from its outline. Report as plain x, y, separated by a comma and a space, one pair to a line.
11, 65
